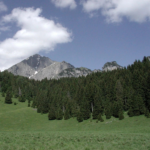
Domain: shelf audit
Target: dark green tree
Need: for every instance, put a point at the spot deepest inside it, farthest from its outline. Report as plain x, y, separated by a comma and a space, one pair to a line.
130, 112
98, 106
79, 117
8, 99
100, 118
108, 108
118, 104
67, 114
85, 108
29, 103
121, 116
147, 114
59, 114
51, 114
21, 98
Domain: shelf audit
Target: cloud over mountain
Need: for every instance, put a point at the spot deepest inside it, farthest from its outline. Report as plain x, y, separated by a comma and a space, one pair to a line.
35, 34
116, 10
65, 3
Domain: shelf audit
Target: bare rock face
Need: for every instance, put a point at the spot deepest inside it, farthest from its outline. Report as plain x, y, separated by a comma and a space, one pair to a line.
38, 67
52, 70
30, 66
109, 66
97, 70
73, 72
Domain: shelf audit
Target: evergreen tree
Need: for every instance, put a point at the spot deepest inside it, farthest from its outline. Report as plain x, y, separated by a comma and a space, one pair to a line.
44, 103
98, 106
39, 109
116, 108
85, 109
100, 118
118, 104
74, 108
15, 93
130, 112
79, 117
108, 109
28, 103
22, 98
138, 105
8, 99
147, 114
51, 114
108, 113
147, 91
121, 116
67, 114
59, 114
89, 93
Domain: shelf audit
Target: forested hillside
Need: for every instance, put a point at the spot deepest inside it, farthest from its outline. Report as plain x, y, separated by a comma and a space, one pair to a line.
101, 93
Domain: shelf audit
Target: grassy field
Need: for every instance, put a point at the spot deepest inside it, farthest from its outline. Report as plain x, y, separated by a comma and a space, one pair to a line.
22, 128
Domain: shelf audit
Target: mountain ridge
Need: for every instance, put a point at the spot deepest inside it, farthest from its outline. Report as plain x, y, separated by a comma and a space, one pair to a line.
30, 65
39, 67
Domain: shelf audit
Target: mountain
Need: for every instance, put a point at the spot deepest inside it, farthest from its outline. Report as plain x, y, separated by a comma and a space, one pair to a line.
97, 70
73, 72
38, 67
52, 70
109, 66
30, 66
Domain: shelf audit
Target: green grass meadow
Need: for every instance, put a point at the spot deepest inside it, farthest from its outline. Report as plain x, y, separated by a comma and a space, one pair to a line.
22, 128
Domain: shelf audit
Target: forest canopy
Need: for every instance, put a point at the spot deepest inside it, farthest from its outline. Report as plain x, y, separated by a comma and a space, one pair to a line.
101, 93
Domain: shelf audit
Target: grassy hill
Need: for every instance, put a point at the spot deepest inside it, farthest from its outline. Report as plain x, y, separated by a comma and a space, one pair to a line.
22, 128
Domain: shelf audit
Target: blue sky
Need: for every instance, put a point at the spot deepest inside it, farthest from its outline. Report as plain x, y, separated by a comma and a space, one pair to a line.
85, 33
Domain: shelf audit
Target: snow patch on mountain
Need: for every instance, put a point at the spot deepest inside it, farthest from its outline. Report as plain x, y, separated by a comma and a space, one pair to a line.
35, 72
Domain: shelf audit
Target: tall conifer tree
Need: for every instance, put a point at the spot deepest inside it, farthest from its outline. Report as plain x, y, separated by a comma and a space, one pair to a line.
8, 99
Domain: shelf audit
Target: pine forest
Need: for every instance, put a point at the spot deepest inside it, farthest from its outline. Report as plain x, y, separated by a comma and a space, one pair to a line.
103, 93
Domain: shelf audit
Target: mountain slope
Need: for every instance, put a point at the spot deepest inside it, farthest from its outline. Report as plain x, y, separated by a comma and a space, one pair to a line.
38, 67
52, 70
73, 72
30, 66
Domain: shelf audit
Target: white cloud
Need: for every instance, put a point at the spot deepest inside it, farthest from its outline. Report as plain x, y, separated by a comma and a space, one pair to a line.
115, 10
36, 34
92, 5
65, 3
3, 7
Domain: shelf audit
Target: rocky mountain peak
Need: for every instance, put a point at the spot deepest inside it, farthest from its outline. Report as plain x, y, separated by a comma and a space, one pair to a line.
31, 65
109, 66
39, 67
73, 72
52, 70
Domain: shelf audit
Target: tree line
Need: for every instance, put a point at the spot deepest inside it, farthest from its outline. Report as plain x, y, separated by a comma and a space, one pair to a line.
108, 93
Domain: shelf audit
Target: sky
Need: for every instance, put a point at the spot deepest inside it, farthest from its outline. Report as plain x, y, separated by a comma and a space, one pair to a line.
84, 33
